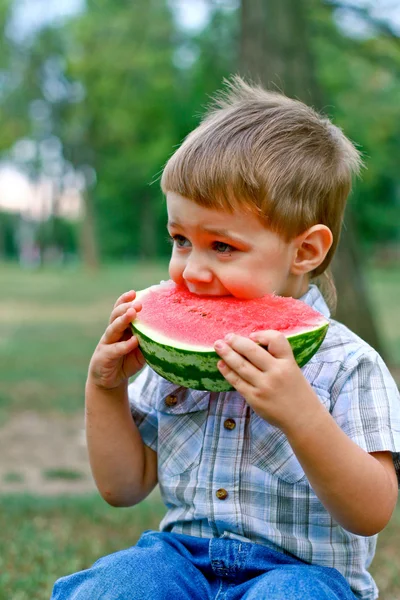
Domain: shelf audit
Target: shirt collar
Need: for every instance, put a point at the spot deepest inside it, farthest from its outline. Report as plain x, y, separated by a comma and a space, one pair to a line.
315, 299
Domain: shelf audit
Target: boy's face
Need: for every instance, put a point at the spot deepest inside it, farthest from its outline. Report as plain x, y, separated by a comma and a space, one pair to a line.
218, 253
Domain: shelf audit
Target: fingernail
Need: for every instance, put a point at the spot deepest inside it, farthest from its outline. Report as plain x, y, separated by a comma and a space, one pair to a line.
228, 337
219, 345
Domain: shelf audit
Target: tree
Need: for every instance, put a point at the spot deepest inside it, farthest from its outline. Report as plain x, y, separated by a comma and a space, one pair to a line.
121, 86
276, 49
13, 118
122, 58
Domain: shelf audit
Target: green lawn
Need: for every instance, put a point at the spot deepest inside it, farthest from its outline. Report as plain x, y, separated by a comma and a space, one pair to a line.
50, 322
43, 539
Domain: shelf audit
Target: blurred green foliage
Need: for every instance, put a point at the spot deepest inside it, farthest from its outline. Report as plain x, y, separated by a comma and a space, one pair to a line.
121, 84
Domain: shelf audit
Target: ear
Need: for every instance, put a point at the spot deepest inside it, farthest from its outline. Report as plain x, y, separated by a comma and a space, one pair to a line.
311, 248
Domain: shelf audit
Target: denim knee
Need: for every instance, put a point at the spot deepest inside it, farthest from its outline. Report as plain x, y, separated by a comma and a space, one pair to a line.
300, 583
152, 570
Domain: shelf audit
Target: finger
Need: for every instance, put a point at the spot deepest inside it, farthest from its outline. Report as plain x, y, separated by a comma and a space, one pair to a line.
126, 297
276, 343
243, 387
237, 363
122, 308
118, 326
133, 361
256, 355
124, 347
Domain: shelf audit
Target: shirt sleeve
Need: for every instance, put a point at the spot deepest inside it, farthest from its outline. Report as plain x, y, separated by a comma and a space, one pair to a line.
367, 407
142, 392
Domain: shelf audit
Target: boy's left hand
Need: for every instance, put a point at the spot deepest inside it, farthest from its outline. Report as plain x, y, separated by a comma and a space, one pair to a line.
270, 380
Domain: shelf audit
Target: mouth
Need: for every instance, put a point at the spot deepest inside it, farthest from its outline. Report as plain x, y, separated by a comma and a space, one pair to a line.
206, 293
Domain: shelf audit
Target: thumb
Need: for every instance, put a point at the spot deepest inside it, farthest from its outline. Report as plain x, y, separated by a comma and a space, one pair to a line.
275, 342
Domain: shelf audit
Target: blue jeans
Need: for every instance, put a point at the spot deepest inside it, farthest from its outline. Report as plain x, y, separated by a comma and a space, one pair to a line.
169, 566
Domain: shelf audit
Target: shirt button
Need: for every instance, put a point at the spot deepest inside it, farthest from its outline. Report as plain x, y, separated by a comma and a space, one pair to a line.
229, 424
171, 400
221, 494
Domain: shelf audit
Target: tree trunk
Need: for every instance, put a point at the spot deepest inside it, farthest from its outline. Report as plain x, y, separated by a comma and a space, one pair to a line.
274, 48
354, 308
275, 51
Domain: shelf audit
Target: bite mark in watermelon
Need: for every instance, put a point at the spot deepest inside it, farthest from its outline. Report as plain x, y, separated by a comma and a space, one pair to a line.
177, 330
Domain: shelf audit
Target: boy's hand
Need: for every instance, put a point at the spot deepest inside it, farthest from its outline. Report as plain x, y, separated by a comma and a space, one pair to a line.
117, 356
270, 380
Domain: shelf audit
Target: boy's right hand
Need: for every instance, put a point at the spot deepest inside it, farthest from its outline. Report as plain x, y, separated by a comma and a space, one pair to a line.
117, 356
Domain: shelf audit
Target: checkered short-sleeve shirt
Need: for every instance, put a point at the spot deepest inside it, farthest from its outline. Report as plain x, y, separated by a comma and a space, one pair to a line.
225, 472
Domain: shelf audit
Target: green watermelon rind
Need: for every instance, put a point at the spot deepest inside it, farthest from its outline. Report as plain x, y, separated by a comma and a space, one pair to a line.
196, 369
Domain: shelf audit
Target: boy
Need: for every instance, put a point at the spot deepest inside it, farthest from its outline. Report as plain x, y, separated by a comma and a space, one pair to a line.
276, 490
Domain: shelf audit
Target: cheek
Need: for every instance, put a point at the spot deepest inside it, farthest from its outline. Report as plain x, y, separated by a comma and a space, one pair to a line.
248, 292
247, 287
252, 282
175, 270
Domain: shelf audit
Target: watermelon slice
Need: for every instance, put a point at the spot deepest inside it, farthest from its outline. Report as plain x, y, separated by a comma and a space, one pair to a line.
177, 330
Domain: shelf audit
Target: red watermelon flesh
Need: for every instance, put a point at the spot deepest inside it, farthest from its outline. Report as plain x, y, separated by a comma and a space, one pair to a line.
178, 314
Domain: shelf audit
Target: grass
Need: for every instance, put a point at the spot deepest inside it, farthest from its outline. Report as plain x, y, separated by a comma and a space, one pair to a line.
66, 474
50, 323
386, 565
13, 477
43, 539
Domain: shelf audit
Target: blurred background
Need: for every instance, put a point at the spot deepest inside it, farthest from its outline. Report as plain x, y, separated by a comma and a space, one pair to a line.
94, 98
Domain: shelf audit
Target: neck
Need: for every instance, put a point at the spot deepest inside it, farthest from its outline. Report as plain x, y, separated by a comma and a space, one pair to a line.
298, 286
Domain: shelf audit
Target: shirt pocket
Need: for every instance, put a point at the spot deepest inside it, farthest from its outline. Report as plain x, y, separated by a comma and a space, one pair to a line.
181, 429
271, 451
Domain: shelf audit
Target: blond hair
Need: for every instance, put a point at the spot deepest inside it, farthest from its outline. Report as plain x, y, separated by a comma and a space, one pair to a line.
264, 152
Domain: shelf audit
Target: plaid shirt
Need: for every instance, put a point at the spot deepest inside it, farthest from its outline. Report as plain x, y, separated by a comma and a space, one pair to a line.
225, 472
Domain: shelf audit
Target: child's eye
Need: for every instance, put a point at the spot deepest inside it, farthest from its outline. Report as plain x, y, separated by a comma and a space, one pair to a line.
180, 241
223, 248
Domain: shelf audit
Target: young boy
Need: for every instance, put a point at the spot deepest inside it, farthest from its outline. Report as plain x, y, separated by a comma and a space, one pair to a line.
278, 489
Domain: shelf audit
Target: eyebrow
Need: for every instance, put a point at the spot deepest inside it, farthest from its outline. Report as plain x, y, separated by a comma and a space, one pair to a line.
218, 232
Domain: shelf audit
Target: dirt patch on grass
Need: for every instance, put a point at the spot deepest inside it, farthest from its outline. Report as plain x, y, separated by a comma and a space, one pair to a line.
44, 454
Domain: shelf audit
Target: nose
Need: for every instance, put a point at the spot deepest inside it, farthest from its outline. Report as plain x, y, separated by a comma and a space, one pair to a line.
197, 269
